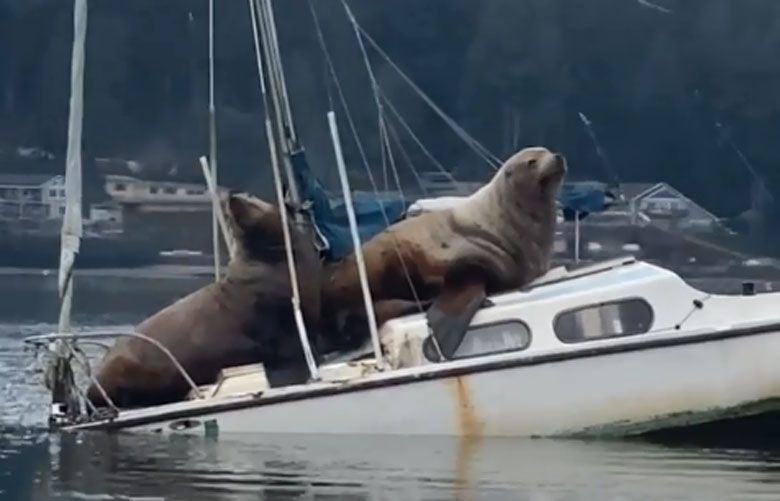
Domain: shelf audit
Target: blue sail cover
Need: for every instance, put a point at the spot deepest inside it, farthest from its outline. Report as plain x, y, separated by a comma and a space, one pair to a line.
577, 200
330, 215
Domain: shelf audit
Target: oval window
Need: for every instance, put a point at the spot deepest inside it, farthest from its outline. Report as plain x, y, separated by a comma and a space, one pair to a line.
613, 319
486, 339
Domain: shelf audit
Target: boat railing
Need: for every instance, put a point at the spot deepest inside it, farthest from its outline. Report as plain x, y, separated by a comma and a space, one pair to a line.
73, 343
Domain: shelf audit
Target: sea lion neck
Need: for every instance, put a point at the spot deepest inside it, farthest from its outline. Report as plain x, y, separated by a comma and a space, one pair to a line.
246, 272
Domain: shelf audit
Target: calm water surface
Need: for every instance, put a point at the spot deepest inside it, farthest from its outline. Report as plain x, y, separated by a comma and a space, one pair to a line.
93, 466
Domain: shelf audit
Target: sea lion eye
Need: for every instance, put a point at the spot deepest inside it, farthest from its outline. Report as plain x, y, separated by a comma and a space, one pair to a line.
532, 163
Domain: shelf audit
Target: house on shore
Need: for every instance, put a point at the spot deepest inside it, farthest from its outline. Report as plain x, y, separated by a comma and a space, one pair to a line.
667, 207
31, 196
170, 214
654, 221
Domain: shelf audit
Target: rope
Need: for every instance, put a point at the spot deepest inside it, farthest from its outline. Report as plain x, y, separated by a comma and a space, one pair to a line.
276, 85
383, 136
213, 149
279, 70
724, 133
406, 157
475, 145
255, 14
611, 172
361, 151
416, 139
392, 161
339, 90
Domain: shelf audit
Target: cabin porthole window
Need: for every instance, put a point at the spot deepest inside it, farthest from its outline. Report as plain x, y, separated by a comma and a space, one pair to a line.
481, 340
628, 317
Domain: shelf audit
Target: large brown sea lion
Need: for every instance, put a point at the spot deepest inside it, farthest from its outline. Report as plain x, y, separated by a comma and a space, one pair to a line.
497, 239
246, 317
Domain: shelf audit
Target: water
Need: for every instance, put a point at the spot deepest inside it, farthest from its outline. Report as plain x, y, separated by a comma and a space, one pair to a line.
96, 466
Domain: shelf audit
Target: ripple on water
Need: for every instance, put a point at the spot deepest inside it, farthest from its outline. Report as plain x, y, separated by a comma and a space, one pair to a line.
25, 400
92, 466
21, 391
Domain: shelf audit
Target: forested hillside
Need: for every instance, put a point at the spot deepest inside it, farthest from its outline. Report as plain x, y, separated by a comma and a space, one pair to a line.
676, 90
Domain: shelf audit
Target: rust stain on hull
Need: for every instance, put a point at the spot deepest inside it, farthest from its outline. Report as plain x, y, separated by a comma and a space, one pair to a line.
470, 432
469, 424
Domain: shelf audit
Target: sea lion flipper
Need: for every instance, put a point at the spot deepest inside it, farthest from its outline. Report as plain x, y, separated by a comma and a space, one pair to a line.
450, 314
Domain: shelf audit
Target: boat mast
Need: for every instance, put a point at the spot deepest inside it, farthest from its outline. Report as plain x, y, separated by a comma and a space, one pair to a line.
61, 380
272, 147
287, 137
213, 147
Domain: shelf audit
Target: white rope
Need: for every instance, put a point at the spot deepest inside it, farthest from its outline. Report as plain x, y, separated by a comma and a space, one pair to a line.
275, 84
407, 158
279, 69
475, 145
383, 137
337, 83
296, 295
295, 299
417, 140
339, 90
258, 54
390, 156
213, 148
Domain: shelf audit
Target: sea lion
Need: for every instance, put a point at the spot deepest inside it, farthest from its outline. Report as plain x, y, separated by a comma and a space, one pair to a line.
244, 318
497, 239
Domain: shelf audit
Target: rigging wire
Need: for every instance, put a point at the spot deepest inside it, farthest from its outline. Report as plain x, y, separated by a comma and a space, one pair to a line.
254, 11
397, 139
416, 139
213, 149
350, 121
383, 136
475, 145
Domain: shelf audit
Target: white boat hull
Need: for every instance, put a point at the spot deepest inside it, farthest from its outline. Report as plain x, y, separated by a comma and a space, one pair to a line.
620, 393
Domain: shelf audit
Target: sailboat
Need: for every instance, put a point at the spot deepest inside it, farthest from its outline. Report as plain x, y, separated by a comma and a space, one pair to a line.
617, 348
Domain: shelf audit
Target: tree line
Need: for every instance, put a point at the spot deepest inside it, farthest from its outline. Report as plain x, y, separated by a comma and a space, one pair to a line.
684, 91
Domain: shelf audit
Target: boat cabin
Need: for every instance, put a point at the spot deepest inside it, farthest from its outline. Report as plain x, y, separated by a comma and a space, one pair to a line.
594, 309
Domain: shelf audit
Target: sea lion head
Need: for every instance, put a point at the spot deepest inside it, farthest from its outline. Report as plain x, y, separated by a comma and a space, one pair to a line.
534, 172
256, 226
522, 197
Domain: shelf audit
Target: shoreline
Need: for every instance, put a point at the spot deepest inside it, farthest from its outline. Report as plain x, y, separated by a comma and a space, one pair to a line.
151, 271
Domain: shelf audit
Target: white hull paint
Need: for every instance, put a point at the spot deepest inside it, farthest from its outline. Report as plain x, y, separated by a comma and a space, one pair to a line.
620, 393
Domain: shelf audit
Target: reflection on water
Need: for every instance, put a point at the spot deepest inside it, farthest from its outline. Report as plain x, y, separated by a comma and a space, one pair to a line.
96, 466
93, 465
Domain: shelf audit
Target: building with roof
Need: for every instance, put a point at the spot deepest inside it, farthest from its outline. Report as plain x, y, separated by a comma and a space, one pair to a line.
150, 195
167, 213
666, 207
32, 196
